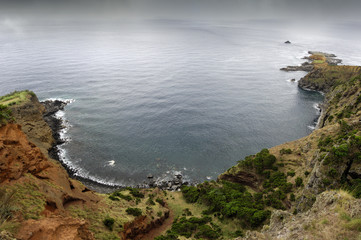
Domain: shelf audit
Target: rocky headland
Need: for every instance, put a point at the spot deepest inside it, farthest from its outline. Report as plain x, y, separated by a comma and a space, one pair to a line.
304, 189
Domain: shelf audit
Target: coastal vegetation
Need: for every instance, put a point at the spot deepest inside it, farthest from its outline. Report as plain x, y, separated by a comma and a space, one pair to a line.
11, 99
16, 97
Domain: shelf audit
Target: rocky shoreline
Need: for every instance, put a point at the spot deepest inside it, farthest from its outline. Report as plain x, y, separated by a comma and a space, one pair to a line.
57, 125
308, 66
311, 66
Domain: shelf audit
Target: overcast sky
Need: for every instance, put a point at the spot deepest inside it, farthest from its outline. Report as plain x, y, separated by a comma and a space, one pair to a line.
318, 10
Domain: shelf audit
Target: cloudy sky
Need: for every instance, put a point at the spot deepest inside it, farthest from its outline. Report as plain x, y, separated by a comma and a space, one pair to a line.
318, 10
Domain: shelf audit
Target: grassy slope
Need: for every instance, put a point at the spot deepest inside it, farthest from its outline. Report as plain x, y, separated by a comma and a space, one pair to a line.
16, 97
10, 100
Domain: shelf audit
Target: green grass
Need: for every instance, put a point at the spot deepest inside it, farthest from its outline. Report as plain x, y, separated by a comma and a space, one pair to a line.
354, 225
29, 200
5, 115
16, 97
318, 61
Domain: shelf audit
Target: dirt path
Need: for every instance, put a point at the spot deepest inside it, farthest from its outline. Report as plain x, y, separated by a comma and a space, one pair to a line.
161, 229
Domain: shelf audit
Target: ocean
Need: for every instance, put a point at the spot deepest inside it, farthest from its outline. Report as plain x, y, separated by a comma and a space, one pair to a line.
163, 97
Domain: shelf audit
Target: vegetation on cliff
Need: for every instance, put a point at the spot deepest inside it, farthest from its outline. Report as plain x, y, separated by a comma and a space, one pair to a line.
12, 99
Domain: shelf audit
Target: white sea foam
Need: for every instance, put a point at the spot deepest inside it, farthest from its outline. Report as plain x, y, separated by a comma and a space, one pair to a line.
311, 127
66, 100
111, 163
317, 106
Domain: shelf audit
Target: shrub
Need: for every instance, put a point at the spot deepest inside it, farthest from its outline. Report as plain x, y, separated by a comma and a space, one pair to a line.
326, 181
118, 194
169, 236
135, 193
198, 226
263, 160
160, 201
355, 188
358, 101
5, 115
298, 182
238, 233
340, 151
354, 224
292, 197
325, 142
307, 173
332, 173
285, 151
187, 212
134, 211
190, 193
278, 180
109, 223
291, 173
113, 198
259, 217
205, 231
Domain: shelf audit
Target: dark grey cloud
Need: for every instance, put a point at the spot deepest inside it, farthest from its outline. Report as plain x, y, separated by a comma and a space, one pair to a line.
110, 9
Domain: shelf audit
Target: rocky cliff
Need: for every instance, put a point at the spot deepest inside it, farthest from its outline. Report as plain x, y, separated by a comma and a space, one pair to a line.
40, 201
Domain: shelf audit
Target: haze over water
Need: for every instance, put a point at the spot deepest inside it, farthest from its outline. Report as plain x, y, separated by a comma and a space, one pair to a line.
159, 96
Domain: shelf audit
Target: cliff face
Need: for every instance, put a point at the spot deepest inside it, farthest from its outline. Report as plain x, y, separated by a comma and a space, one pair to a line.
18, 156
29, 115
45, 203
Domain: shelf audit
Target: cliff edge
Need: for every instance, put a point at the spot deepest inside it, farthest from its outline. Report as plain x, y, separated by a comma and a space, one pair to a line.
38, 198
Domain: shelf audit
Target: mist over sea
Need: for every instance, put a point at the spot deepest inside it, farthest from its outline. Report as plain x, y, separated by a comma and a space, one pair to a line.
164, 96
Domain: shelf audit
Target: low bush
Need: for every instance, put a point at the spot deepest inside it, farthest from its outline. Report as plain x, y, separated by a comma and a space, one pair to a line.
205, 231
291, 173
150, 201
134, 211
260, 162
332, 173
355, 188
109, 223
135, 192
299, 182
292, 197
118, 194
285, 151
160, 201
325, 142
5, 115
190, 193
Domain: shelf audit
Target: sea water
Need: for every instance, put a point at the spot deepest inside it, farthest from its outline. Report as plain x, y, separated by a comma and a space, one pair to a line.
163, 97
